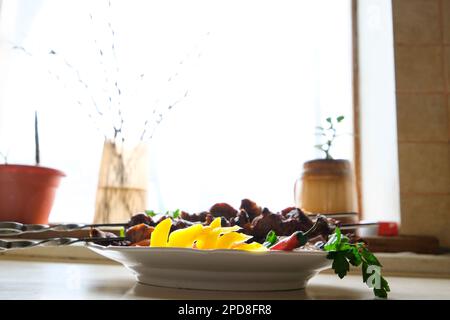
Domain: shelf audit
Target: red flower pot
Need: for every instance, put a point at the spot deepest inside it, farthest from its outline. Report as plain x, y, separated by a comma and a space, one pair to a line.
27, 193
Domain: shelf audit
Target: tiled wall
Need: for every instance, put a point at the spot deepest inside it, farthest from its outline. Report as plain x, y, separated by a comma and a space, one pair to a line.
422, 58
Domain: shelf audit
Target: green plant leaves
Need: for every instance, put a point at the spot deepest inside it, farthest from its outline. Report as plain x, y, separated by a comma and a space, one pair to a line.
353, 256
343, 253
329, 133
334, 241
340, 264
370, 257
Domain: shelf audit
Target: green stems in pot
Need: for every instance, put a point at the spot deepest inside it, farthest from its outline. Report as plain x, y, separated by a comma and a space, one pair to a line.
330, 134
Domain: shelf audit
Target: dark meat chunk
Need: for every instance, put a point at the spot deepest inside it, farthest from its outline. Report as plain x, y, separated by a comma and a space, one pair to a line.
286, 224
252, 209
321, 228
138, 233
180, 224
264, 223
209, 219
142, 243
284, 212
223, 210
291, 225
162, 218
195, 217
224, 222
177, 223
291, 220
297, 214
242, 220
97, 233
139, 218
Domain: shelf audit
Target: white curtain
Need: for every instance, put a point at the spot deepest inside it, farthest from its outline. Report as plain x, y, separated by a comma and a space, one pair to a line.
260, 75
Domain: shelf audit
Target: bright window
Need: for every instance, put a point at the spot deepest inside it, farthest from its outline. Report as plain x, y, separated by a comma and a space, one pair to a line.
260, 75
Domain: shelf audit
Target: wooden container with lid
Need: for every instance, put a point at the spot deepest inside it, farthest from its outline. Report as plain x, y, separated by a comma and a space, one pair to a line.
326, 186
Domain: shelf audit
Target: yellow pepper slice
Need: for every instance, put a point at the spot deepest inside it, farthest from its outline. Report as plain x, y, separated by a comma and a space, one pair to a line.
216, 223
254, 246
224, 230
161, 233
185, 238
208, 239
213, 236
227, 240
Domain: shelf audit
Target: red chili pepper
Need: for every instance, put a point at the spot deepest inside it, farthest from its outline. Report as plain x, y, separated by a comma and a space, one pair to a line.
297, 239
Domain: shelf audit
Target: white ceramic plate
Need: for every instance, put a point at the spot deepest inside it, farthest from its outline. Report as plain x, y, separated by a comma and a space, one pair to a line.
218, 269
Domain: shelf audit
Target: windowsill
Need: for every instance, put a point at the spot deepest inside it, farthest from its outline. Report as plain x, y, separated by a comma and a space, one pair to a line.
396, 264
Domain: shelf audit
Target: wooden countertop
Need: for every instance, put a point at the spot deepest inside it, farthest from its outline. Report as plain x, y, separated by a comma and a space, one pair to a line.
22, 278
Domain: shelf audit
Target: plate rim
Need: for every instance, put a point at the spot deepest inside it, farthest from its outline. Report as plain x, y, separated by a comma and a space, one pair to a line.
205, 251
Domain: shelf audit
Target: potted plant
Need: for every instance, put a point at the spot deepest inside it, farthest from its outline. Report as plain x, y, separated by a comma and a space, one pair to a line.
327, 184
27, 192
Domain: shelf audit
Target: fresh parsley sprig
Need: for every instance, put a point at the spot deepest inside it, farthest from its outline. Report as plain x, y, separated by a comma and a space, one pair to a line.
173, 214
343, 253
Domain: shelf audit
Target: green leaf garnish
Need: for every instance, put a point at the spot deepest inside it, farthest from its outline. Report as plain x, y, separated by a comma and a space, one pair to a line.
271, 239
344, 253
122, 232
340, 264
150, 213
340, 118
334, 241
175, 214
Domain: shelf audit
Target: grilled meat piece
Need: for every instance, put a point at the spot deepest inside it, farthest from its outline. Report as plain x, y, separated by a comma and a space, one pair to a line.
209, 218
194, 217
286, 224
291, 225
223, 210
162, 218
139, 218
179, 223
252, 209
138, 233
322, 227
142, 243
297, 214
97, 233
224, 222
242, 220
264, 223
284, 212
